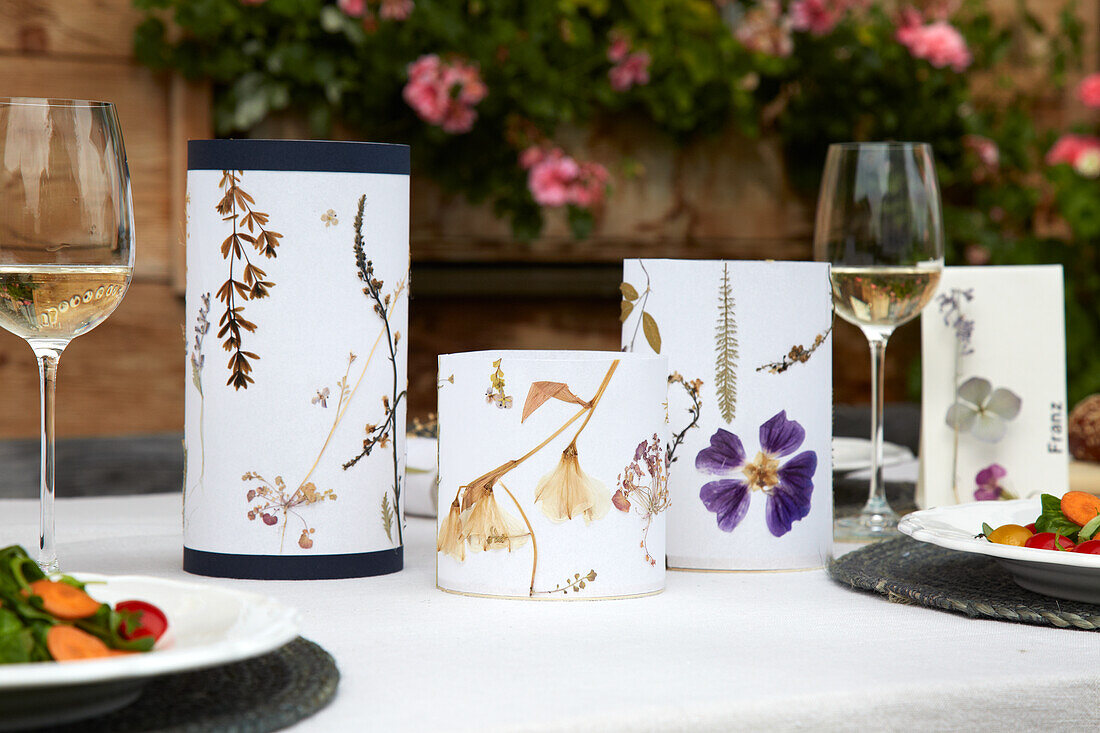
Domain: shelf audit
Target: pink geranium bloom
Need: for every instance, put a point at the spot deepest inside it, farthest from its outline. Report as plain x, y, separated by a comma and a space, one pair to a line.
354, 8
531, 156
591, 185
1069, 148
634, 69
618, 48
552, 178
938, 43
444, 93
396, 9
816, 16
1089, 91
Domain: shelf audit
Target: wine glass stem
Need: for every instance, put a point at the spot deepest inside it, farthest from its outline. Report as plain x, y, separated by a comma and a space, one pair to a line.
48, 357
877, 511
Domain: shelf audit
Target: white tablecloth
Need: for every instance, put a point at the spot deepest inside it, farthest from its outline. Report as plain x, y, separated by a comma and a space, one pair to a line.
759, 651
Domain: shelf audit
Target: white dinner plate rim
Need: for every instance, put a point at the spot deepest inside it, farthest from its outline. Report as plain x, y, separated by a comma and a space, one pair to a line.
893, 454
921, 525
253, 640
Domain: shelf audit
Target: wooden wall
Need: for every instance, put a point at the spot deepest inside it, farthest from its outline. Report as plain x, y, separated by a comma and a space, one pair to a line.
127, 376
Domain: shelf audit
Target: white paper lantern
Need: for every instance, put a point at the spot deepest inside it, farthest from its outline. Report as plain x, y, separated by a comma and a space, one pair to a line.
552, 474
297, 313
750, 406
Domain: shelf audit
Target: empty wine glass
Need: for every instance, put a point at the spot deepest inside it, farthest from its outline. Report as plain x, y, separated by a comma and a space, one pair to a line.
66, 242
879, 225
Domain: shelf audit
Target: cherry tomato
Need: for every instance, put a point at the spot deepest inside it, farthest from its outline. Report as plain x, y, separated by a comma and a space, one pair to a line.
1030, 527
1090, 547
1010, 534
1045, 541
148, 619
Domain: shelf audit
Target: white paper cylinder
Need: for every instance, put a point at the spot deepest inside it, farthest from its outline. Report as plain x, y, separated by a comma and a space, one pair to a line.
595, 513
270, 490
750, 349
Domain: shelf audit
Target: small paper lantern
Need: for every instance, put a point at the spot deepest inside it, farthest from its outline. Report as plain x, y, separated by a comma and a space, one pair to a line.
750, 406
297, 313
552, 474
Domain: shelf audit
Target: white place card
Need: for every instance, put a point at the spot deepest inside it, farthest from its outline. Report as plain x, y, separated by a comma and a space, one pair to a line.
993, 407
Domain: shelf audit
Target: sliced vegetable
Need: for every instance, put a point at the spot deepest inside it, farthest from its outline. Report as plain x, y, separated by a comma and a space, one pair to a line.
1010, 534
1046, 540
1080, 507
1052, 519
140, 619
64, 601
1091, 547
67, 643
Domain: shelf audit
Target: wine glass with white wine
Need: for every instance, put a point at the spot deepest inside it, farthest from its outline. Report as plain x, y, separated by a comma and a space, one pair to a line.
879, 225
66, 241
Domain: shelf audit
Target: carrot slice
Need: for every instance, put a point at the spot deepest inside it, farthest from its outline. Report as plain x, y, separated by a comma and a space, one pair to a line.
68, 643
63, 600
1080, 507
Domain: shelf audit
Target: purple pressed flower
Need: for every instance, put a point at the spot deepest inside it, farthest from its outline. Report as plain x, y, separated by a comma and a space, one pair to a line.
788, 486
988, 482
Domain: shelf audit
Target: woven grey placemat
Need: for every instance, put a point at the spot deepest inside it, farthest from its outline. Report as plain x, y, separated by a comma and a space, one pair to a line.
257, 695
906, 570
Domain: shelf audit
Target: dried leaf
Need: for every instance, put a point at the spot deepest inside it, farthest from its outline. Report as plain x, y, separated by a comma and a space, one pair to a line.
625, 309
629, 291
387, 516
652, 333
726, 351
540, 392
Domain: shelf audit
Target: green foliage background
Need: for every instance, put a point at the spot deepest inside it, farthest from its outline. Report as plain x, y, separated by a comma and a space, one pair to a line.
545, 64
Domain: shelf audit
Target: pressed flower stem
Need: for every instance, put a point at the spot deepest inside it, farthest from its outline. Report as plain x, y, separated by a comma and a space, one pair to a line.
534, 544
955, 445
499, 472
595, 401
644, 299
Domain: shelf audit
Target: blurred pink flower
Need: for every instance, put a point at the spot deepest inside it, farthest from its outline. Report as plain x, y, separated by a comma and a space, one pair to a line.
550, 179
939, 43
556, 179
985, 149
765, 29
396, 9
1089, 91
444, 93
531, 156
633, 70
618, 48
354, 8
817, 16
1069, 148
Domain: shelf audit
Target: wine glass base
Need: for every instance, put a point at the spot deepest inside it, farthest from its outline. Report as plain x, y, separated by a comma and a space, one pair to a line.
49, 567
866, 528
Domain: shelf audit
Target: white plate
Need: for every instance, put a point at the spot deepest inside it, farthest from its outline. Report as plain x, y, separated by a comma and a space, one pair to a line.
421, 471
854, 454
1071, 575
207, 626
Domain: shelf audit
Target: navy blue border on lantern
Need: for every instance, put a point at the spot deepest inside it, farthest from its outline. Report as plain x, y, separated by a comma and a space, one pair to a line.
329, 156
293, 567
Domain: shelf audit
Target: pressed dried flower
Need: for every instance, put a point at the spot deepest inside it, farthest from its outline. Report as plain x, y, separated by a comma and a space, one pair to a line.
449, 541
488, 527
568, 492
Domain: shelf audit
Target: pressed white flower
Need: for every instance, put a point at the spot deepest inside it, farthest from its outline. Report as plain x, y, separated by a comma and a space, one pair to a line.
449, 541
983, 411
488, 527
568, 492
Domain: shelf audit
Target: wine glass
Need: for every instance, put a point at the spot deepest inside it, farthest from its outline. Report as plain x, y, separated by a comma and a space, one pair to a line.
66, 242
879, 225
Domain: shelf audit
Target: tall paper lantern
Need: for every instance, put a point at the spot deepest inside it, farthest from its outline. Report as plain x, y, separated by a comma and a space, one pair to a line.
297, 317
552, 474
750, 406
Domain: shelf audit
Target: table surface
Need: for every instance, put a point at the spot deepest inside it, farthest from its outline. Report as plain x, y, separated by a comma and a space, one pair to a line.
715, 651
